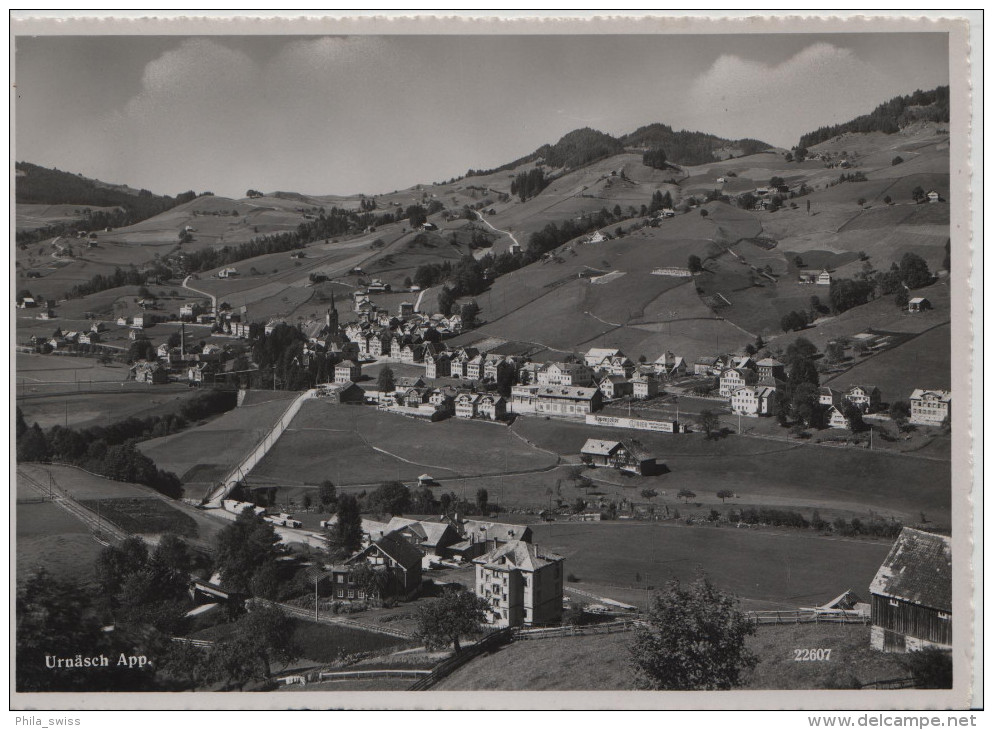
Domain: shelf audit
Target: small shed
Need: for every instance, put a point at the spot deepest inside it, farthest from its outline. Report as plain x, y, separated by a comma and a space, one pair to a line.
919, 304
912, 594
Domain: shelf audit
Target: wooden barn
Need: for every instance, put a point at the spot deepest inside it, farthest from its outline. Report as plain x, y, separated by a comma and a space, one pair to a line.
912, 594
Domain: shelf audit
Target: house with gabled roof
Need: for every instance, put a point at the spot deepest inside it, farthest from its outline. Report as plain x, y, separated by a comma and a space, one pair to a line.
734, 378
437, 366
770, 369
596, 355
753, 400
521, 584
565, 373
492, 406
397, 559
615, 386
930, 407
618, 455
865, 397
466, 405
430, 537
828, 396
912, 594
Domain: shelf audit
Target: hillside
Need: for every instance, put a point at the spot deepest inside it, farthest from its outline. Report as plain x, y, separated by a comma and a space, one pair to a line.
890, 116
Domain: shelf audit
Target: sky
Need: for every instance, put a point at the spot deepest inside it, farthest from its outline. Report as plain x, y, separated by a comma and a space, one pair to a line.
372, 114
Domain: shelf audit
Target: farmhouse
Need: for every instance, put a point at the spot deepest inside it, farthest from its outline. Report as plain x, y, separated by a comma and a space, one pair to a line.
644, 386
466, 405
828, 396
734, 378
930, 407
596, 355
431, 538
753, 400
439, 366
348, 371
836, 419
492, 406
618, 455
521, 583
933, 197
912, 594
341, 392
669, 365
919, 304
148, 372
475, 367
396, 561
227, 272
617, 365
866, 397
770, 369
615, 386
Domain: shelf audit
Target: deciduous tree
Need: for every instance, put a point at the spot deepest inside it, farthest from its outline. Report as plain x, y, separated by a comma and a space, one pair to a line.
458, 613
694, 639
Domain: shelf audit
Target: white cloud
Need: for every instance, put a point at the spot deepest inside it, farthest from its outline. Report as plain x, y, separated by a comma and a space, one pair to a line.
822, 84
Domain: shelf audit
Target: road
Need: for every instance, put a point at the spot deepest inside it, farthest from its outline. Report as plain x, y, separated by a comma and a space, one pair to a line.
497, 230
213, 299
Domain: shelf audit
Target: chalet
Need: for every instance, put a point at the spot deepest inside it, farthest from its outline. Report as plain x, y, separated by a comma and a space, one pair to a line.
596, 237
616, 365
616, 454
770, 369
409, 382
567, 400
521, 584
98, 327
442, 398
828, 396
26, 303
615, 386
492, 406
405, 310
466, 405
491, 368
919, 304
734, 378
753, 400
348, 371
643, 386
341, 392
836, 418
227, 272
460, 362
474, 369
565, 373
88, 338
669, 365
189, 311
148, 372
933, 197
824, 278
122, 321
707, 365
378, 345
396, 560
912, 594
138, 322
527, 373
493, 534
866, 397
439, 366
412, 353
431, 538
930, 407
596, 355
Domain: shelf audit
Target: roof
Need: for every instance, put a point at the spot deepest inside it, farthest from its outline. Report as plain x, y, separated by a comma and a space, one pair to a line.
918, 300
600, 447
518, 554
602, 352
943, 395
768, 362
502, 531
918, 569
567, 391
397, 548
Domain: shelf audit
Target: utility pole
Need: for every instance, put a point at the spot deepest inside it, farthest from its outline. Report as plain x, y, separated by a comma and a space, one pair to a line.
317, 616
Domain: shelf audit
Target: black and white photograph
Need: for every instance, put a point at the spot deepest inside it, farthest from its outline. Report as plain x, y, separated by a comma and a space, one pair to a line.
362, 365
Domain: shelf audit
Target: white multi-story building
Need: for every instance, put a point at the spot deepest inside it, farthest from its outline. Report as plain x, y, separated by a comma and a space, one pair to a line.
930, 407
521, 584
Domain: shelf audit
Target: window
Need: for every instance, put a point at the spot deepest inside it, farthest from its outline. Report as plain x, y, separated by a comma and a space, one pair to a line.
894, 603
944, 616
341, 578
351, 593
341, 593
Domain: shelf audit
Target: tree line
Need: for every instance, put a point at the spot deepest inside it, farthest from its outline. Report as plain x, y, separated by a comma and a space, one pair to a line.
889, 116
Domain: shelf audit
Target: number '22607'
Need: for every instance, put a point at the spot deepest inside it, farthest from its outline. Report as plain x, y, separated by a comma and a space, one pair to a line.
811, 655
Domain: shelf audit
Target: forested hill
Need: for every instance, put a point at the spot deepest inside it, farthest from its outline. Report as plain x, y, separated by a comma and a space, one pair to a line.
889, 117
41, 185
582, 146
35, 184
689, 148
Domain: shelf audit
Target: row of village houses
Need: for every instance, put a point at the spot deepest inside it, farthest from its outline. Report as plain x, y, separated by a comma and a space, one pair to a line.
750, 387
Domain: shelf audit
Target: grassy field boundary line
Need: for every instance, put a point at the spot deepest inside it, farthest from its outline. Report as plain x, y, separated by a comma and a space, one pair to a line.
888, 349
308, 615
98, 524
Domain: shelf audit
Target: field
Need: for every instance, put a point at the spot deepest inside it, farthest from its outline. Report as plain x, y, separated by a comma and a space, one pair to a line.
350, 445
49, 537
320, 643
764, 472
146, 516
922, 362
102, 409
134, 507
564, 663
220, 443
766, 568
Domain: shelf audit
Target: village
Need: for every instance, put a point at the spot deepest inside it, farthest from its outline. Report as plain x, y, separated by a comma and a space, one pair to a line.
513, 430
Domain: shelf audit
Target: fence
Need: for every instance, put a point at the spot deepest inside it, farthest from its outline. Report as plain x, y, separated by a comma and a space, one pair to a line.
487, 643
763, 618
611, 627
